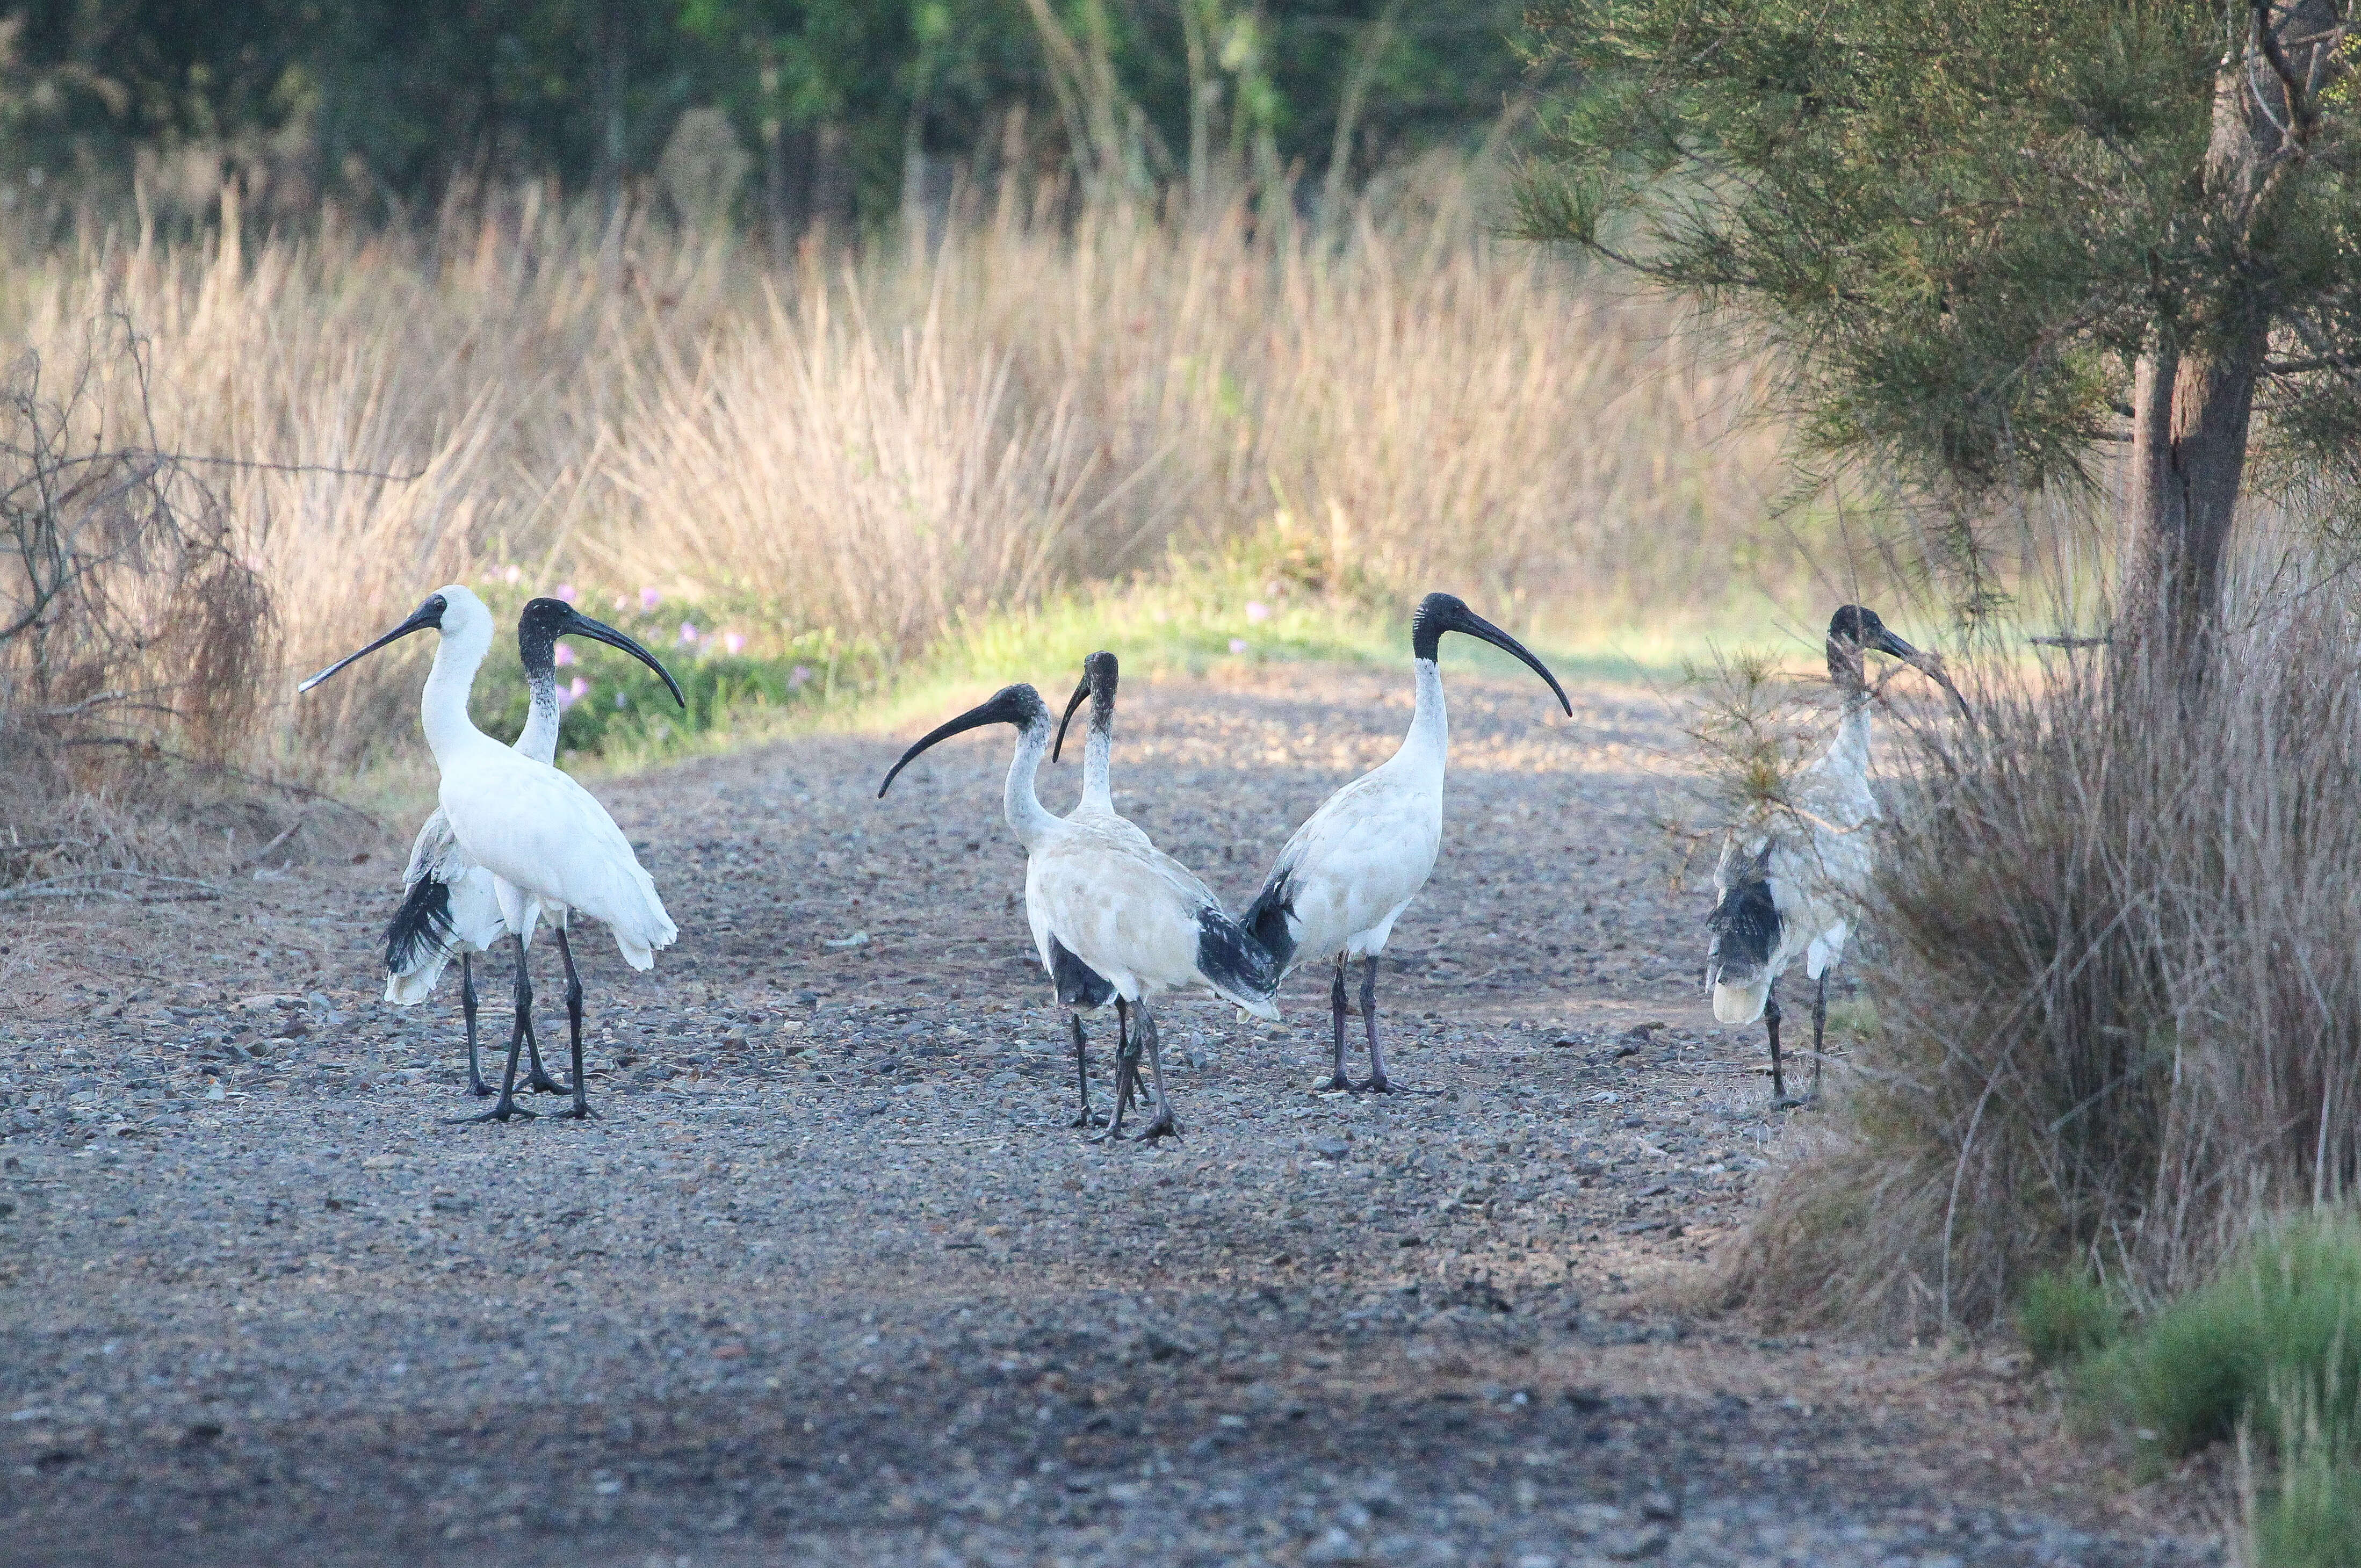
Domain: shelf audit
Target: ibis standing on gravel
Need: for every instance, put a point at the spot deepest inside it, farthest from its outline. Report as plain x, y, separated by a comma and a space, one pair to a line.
1080, 988
545, 841
450, 905
1350, 870
1102, 894
1790, 882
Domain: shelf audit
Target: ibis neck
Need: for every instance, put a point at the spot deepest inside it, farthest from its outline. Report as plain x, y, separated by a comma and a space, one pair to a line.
539, 741
443, 706
1027, 816
1428, 740
1849, 750
1098, 751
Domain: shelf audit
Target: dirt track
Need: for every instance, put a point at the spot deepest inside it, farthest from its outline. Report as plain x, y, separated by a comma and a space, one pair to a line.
831, 1281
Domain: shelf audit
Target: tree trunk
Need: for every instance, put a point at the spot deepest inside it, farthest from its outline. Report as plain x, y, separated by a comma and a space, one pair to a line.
2192, 409
2193, 397
778, 204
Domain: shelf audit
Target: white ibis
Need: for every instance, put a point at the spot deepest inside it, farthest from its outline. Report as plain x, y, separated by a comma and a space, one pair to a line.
542, 837
1080, 989
1790, 882
452, 905
1126, 912
1350, 870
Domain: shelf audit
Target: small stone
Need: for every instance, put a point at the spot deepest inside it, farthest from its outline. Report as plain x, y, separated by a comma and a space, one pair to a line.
1331, 1148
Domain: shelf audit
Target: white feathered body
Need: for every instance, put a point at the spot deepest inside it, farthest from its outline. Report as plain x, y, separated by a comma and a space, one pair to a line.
1814, 854
473, 910
545, 839
1347, 875
1132, 913
547, 836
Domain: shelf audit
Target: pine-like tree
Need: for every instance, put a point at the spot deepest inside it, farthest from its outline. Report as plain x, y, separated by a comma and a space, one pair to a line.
2002, 240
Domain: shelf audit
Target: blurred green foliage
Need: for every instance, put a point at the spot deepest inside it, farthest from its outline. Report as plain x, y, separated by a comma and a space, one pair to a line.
614, 704
383, 105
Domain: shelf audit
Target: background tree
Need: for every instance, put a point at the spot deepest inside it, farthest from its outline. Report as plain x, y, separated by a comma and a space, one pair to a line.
383, 104
2000, 240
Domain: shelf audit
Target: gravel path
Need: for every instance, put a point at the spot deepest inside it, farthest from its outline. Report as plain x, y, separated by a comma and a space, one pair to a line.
831, 1280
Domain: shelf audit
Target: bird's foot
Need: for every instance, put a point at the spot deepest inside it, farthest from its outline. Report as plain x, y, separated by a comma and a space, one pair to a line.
481, 1090
1086, 1118
1380, 1084
571, 1113
1163, 1127
1339, 1084
542, 1083
499, 1113
1792, 1102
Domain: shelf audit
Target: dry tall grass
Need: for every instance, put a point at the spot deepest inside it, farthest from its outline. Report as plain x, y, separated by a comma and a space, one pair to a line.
2117, 974
881, 443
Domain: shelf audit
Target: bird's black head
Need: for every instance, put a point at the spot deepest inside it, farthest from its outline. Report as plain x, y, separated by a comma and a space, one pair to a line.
1098, 683
545, 621
1853, 632
1438, 613
427, 617
1018, 705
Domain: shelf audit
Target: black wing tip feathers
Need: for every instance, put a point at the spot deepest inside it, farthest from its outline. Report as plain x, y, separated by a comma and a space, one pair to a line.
1229, 955
1745, 927
420, 927
1079, 986
1266, 920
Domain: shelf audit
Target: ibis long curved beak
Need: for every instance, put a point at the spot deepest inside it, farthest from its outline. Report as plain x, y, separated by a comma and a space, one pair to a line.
1928, 664
599, 631
1017, 705
1081, 693
426, 616
1473, 625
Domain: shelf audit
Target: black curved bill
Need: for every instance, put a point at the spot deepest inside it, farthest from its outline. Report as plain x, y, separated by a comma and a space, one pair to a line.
1886, 642
1006, 706
599, 631
1928, 665
1073, 702
428, 614
1475, 625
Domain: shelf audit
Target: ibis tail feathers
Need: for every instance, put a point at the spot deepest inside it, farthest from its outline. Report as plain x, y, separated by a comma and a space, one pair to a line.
1269, 920
1079, 986
1239, 967
1740, 1003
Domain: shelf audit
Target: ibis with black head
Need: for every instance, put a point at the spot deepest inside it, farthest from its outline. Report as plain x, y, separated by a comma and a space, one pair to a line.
1095, 889
1790, 878
1354, 867
545, 841
450, 905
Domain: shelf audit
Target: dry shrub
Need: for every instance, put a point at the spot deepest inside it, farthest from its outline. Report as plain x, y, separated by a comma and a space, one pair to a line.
878, 443
133, 632
1026, 408
2116, 963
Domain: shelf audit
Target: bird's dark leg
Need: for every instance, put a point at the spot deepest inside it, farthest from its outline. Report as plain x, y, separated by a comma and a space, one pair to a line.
1336, 1078
1379, 1083
507, 1106
1770, 1022
1126, 1051
1161, 1125
1126, 1070
476, 1084
537, 1079
1084, 1117
1820, 1031
581, 1112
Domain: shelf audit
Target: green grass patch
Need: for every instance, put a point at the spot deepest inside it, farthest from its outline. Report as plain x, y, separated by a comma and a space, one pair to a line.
2066, 1315
2281, 1323
2310, 1514
2269, 1353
